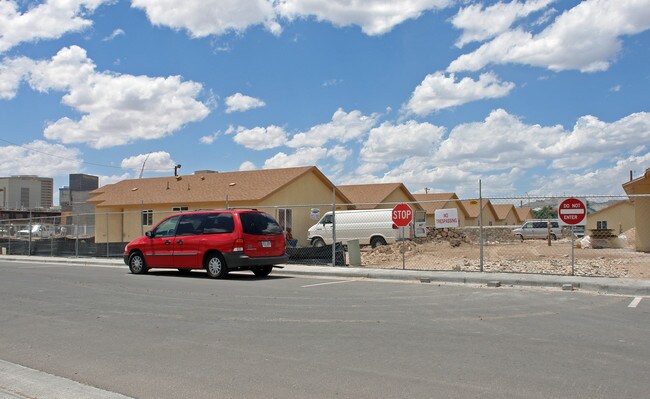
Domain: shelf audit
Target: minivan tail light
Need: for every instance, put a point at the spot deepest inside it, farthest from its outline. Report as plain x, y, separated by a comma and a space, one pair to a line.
239, 245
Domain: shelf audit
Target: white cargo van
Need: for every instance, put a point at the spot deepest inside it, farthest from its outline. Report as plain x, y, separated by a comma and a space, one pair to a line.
371, 227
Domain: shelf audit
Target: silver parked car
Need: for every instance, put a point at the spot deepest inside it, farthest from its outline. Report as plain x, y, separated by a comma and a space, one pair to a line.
538, 229
38, 230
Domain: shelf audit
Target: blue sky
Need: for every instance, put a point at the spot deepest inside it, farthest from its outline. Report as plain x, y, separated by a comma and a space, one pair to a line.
535, 97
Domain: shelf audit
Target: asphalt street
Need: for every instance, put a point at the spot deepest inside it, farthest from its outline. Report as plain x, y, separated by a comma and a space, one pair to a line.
164, 335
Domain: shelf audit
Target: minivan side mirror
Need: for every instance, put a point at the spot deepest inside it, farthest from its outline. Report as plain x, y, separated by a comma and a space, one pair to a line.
149, 234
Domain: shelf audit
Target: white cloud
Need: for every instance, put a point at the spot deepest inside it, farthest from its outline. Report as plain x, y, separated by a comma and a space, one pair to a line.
116, 33
302, 157
117, 109
12, 73
339, 153
586, 38
388, 142
438, 91
209, 139
507, 154
261, 138
240, 103
500, 141
247, 165
344, 127
604, 180
30, 159
104, 180
159, 161
210, 17
480, 23
375, 17
48, 20
595, 140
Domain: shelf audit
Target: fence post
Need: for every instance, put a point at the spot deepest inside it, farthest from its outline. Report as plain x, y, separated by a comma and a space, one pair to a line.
480, 224
76, 237
107, 240
29, 243
334, 226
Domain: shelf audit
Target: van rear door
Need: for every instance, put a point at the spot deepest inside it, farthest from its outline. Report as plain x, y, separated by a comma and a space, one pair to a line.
262, 235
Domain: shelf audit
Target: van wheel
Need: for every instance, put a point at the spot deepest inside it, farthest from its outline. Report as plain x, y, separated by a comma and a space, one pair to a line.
215, 266
553, 237
262, 271
317, 242
136, 263
377, 241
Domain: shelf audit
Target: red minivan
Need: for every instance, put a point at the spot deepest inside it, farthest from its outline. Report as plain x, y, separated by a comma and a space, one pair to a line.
216, 240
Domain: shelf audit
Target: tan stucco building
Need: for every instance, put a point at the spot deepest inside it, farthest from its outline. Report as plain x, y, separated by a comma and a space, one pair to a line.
618, 217
435, 201
474, 213
524, 213
641, 186
130, 207
506, 215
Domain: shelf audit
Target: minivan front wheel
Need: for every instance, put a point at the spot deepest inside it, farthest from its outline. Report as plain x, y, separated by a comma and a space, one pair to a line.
136, 263
215, 266
553, 237
317, 242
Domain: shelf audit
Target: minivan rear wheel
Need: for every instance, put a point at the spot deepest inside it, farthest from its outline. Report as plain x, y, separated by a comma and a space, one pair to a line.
553, 237
215, 266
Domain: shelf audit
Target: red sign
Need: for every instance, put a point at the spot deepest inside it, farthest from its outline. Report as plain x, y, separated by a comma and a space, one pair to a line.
402, 215
572, 211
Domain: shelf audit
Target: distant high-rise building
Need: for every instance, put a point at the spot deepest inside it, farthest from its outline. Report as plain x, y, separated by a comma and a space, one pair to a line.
73, 198
27, 192
82, 182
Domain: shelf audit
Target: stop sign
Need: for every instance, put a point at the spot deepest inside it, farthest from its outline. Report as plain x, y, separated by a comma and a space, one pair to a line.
572, 212
402, 215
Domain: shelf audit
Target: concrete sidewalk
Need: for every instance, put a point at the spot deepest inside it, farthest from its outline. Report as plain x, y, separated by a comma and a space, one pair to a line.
603, 285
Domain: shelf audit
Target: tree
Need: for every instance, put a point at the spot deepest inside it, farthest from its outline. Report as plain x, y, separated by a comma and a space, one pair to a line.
547, 212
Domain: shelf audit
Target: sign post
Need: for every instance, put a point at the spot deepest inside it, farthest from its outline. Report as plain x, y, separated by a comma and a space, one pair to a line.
572, 212
402, 216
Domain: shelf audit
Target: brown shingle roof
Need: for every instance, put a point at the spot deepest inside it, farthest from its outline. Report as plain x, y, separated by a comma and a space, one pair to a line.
372, 193
502, 210
434, 201
254, 185
473, 209
522, 213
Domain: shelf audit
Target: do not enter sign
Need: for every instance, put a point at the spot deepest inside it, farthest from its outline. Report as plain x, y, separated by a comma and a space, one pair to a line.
402, 215
572, 212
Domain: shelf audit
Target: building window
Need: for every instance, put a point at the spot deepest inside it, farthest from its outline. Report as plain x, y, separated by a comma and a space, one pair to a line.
147, 217
285, 218
601, 225
180, 209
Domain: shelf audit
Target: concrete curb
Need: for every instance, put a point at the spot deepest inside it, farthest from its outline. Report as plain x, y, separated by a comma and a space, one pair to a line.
604, 285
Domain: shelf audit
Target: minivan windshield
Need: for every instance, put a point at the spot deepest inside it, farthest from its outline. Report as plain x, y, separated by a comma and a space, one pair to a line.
259, 224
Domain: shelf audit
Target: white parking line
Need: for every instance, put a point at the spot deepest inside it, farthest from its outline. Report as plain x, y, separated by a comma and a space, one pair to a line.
635, 302
331, 282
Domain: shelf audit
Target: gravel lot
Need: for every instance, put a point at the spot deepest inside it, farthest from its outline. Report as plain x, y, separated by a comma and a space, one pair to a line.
509, 255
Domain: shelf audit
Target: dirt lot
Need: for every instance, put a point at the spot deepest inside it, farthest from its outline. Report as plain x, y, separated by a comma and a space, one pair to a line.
530, 256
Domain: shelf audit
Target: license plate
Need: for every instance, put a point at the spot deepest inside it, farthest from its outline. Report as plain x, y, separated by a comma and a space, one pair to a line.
266, 244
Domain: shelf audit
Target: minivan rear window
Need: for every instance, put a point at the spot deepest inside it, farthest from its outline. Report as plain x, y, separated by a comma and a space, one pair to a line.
259, 224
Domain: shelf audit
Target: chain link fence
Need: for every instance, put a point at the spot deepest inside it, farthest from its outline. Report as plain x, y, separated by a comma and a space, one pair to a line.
509, 234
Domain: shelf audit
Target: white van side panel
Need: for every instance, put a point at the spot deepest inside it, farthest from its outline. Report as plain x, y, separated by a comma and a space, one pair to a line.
360, 225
